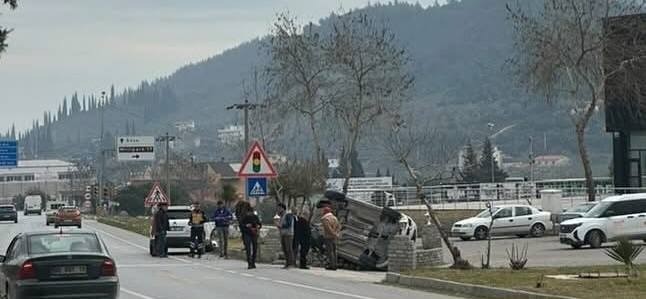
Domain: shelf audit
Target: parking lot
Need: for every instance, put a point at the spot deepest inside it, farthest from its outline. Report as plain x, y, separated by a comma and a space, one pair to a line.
545, 251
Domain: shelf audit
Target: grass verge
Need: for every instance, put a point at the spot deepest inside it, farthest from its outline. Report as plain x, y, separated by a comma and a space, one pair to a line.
134, 224
527, 280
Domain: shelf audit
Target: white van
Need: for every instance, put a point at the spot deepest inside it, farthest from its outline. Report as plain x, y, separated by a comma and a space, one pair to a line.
33, 204
613, 218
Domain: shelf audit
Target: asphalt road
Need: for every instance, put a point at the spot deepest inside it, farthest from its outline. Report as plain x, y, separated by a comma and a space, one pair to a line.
145, 277
545, 251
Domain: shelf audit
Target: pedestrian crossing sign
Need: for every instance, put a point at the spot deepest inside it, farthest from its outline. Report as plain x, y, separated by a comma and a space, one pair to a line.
156, 196
257, 187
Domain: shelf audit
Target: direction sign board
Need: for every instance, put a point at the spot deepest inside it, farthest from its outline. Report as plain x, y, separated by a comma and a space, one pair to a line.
136, 148
256, 163
156, 196
8, 153
257, 187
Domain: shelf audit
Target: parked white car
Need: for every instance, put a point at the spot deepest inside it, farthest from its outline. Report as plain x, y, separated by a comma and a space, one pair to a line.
520, 220
616, 217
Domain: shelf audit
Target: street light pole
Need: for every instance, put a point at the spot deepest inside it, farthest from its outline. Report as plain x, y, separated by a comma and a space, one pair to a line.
167, 138
493, 155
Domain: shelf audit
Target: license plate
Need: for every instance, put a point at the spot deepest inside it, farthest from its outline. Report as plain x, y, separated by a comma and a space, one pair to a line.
67, 220
177, 228
69, 270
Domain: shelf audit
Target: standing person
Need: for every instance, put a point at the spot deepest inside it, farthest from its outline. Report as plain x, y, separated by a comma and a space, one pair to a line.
223, 217
302, 236
161, 228
331, 231
286, 228
153, 230
250, 227
196, 222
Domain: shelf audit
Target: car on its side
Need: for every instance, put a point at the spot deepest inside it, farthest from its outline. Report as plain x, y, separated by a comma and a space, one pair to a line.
577, 211
520, 220
614, 218
8, 213
74, 264
68, 216
52, 210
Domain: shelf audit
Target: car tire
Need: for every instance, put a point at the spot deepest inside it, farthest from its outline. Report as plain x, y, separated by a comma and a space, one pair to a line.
576, 246
55, 226
79, 226
521, 236
594, 239
537, 230
481, 233
465, 238
15, 221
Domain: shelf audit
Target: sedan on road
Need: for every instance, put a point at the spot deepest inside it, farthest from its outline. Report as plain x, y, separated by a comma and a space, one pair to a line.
58, 265
8, 213
68, 216
520, 220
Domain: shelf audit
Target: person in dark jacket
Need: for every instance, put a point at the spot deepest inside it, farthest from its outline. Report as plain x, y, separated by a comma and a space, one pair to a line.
250, 227
161, 228
302, 236
196, 222
222, 217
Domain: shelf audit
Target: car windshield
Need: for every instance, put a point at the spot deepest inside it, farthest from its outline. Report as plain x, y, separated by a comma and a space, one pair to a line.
597, 210
581, 208
179, 214
485, 213
59, 243
6, 208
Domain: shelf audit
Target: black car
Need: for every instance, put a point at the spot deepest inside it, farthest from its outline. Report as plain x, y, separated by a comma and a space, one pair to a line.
8, 213
72, 264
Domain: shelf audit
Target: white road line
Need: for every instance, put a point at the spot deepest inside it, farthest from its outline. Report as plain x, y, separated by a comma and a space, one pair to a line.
298, 285
153, 265
133, 293
247, 275
263, 278
232, 272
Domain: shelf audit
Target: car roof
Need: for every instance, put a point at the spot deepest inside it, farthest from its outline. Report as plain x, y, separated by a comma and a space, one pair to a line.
175, 208
4, 206
68, 207
58, 232
511, 206
624, 197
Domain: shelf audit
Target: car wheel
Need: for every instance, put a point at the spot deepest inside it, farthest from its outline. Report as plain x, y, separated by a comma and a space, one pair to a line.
481, 233
55, 226
595, 239
537, 230
465, 238
15, 221
521, 236
79, 226
576, 246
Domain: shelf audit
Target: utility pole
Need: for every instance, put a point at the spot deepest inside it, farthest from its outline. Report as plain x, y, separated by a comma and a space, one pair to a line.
531, 159
102, 157
493, 155
167, 138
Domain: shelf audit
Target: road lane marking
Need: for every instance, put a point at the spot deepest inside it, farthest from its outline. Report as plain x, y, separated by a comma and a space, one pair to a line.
133, 293
247, 275
153, 265
303, 286
264, 278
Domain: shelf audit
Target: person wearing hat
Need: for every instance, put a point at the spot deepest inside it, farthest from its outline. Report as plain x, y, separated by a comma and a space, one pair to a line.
162, 226
222, 217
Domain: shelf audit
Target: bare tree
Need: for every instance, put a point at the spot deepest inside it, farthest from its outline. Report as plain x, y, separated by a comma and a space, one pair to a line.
298, 73
560, 46
403, 141
372, 77
266, 120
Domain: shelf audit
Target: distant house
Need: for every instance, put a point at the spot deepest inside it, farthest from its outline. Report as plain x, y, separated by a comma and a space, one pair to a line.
552, 160
231, 135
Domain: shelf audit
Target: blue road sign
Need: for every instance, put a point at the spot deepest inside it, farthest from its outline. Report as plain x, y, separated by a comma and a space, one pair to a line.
256, 187
8, 153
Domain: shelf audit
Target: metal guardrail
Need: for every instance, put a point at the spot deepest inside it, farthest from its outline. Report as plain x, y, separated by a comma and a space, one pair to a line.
476, 196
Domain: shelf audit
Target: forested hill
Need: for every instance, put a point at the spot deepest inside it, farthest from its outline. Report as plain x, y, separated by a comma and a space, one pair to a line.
459, 52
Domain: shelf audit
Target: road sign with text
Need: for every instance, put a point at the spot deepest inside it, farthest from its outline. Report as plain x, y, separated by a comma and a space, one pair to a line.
136, 148
8, 153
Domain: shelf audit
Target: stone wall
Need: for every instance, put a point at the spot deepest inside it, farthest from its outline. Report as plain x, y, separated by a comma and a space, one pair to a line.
403, 254
429, 257
430, 236
269, 245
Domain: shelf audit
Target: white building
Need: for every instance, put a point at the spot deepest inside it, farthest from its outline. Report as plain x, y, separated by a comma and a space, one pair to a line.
49, 176
231, 135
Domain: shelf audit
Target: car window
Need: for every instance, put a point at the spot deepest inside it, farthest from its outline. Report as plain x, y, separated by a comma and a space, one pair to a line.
57, 243
523, 211
625, 208
179, 214
504, 213
641, 206
6, 208
13, 250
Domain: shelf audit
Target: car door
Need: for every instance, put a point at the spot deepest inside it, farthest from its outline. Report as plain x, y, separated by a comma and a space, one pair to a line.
640, 223
523, 219
8, 268
622, 220
503, 222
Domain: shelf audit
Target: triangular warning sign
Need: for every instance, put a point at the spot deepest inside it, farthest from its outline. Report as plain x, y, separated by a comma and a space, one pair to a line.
156, 196
256, 163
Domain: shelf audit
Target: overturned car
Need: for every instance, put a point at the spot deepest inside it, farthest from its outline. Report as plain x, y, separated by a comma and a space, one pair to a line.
366, 231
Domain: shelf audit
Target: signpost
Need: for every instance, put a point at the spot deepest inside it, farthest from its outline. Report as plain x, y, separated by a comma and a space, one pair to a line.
156, 196
256, 168
136, 148
8, 153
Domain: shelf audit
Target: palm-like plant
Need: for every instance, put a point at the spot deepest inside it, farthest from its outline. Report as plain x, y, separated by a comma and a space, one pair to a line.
626, 252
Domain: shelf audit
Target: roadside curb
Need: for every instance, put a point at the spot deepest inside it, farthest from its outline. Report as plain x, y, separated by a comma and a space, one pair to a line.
478, 291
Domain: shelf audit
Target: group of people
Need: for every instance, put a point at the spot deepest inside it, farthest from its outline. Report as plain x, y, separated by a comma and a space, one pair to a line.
295, 232
295, 235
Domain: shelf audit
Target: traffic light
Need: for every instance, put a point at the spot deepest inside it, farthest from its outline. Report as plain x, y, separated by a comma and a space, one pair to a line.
106, 192
255, 163
95, 191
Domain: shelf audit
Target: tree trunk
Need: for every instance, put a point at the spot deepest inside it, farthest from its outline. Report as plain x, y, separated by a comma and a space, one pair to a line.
316, 139
585, 160
458, 261
348, 164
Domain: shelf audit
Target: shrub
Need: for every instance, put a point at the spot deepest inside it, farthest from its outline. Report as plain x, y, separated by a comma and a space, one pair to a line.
626, 252
517, 257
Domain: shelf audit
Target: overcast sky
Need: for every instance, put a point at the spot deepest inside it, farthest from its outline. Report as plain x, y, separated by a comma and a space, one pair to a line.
58, 47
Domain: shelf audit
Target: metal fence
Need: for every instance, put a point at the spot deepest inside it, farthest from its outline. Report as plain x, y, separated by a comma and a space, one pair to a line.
476, 196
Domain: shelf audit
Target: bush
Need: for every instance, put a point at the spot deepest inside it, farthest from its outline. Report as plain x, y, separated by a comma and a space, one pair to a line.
517, 258
626, 252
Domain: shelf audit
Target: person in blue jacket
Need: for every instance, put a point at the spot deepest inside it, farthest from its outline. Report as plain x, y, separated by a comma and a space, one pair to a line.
222, 217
